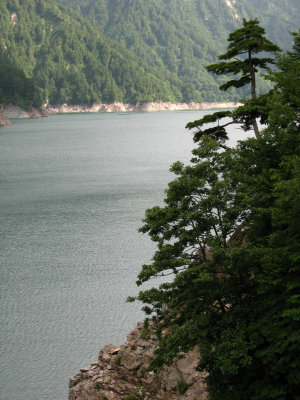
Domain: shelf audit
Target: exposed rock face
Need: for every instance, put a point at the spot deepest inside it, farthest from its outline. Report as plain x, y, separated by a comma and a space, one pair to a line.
12, 111
122, 371
4, 121
38, 112
151, 106
14, 19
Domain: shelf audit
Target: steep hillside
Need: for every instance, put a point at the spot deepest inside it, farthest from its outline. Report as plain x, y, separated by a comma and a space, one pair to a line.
279, 17
182, 37
16, 88
70, 61
131, 50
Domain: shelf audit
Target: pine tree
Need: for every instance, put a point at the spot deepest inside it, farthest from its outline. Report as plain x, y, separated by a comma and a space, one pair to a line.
245, 43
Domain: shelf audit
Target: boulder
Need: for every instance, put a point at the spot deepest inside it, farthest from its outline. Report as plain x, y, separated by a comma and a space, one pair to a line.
121, 371
4, 121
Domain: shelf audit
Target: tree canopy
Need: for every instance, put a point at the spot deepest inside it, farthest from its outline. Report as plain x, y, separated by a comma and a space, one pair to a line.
244, 45
228, 234
16, 88
245, 42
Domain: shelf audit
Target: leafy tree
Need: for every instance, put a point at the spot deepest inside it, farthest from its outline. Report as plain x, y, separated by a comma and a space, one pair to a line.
228, 234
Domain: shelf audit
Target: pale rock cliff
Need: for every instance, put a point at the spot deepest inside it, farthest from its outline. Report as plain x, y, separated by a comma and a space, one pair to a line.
121, 372
147, 107
13, 111
4, 121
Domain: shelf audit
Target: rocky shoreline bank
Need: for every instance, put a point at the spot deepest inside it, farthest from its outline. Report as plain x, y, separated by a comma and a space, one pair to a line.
144, 107
121, 373
4, 121
12, 111
8, 111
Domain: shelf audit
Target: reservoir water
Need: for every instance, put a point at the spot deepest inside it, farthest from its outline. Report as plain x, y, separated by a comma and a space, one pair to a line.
73, 191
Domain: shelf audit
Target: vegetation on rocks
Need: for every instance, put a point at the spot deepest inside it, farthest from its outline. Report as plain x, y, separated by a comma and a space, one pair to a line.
131, 380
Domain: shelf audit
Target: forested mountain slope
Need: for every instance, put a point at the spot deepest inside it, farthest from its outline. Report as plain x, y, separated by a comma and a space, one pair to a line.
185, 36
16, 87
131, 50
70, 61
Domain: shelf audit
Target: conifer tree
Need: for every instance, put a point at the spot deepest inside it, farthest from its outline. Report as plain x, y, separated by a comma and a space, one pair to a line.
241, 59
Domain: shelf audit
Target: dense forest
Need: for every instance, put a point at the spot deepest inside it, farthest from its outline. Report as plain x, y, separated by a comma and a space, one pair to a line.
182, 37
16, 87
128, 51
70, 61
228, 237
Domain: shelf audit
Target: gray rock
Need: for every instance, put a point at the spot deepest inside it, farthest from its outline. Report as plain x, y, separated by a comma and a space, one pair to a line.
114, 382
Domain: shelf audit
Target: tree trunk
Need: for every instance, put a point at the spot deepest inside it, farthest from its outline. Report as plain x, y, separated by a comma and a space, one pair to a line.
253, 95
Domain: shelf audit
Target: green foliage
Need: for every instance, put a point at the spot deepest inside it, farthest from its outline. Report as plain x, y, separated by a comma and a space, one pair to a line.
181, 385
145, 333
217, 132
246, 42
117, 360
71, 62
131, 396
16, 88
228, 236
98, 385
136, 394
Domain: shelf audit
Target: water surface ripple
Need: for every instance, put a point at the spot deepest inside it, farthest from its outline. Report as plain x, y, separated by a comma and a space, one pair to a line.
73, 192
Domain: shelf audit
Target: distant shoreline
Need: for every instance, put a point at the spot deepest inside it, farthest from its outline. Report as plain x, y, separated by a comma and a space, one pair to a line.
12, 111
146, 107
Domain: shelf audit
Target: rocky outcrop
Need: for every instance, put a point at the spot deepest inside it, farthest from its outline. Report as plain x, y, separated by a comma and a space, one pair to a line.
149, 107
121, 373
4, 121
13, 111
38, 112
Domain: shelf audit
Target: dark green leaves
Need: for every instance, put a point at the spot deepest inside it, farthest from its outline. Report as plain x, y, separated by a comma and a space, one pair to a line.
218, 132
247, 40
228, 237
244, 44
